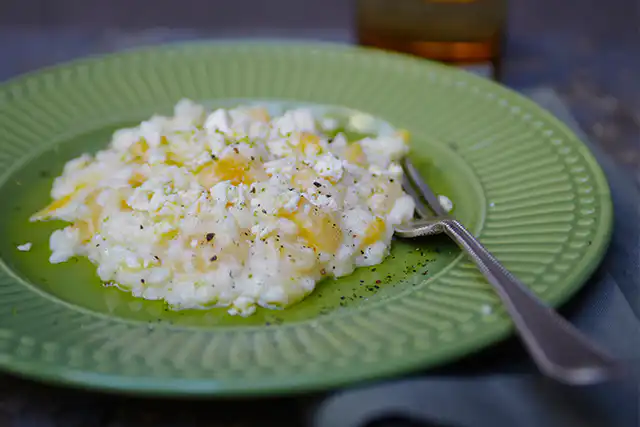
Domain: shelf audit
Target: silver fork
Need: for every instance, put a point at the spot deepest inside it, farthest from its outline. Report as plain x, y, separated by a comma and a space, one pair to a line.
559, 350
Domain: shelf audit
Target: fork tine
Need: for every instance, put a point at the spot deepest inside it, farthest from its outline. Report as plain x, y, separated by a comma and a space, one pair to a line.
427, 194
421, 208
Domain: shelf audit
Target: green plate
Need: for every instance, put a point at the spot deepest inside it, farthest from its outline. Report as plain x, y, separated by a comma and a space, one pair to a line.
520, 180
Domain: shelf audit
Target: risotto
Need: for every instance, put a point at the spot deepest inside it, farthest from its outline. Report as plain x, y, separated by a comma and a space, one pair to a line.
231, 208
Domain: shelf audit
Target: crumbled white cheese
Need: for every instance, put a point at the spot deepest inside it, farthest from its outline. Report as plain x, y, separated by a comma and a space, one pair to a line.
290, 200
445, 202
25, 248
393, 171
329, 166
402, 210
218, 121
299, 120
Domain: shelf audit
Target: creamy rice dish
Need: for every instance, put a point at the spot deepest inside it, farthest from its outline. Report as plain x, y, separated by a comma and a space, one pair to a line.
230, 208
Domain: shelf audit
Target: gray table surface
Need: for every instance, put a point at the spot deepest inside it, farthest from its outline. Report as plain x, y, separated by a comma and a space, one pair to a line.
580, 69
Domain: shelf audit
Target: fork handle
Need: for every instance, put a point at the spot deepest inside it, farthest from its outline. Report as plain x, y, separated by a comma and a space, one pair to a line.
558, 349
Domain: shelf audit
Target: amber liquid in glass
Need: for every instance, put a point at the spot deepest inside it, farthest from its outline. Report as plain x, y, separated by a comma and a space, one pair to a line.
460, 32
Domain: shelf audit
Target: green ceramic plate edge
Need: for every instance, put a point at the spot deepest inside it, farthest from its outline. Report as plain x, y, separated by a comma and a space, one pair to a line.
245, 387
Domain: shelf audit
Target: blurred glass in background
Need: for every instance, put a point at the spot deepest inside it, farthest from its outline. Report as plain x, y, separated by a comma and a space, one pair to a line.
460, 32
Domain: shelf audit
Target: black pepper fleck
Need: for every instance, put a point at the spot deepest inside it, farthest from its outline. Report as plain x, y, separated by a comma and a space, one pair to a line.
210, 236
317, 184
214, 258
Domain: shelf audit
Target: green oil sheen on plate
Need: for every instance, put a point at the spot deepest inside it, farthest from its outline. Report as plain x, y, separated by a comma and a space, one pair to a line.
519, 180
